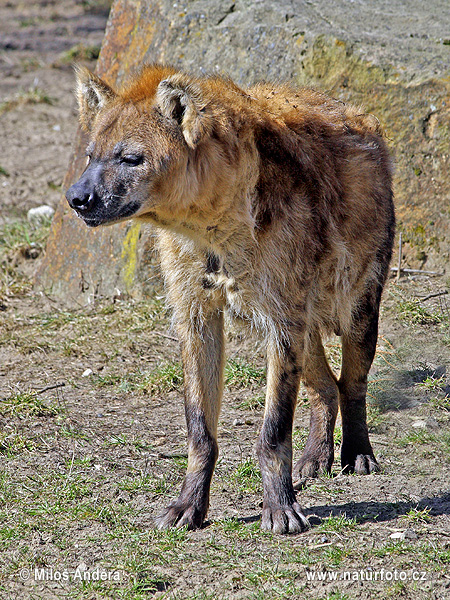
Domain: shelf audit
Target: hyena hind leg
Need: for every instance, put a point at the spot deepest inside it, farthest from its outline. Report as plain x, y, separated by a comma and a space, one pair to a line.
358, 351
321, 385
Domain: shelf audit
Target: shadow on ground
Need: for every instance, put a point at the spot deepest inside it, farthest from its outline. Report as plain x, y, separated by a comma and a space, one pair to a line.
373, 512
382, 511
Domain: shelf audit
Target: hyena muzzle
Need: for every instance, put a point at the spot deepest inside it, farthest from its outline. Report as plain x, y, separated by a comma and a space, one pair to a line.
273, 205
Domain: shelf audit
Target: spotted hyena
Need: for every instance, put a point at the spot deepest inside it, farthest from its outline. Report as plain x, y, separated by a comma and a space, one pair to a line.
274, 205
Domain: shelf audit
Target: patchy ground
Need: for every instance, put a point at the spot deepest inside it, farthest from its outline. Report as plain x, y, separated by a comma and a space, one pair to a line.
39, 40
88, 464
92, 433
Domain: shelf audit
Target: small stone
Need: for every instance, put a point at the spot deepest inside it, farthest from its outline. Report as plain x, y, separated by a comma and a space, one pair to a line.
32, 251
397, 535
87, 373
410, 534
237, 422
324, 540
432, 423
419, 424
40, 215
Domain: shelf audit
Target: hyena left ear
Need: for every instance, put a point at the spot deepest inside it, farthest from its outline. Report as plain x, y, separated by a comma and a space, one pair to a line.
92, 95
182, 100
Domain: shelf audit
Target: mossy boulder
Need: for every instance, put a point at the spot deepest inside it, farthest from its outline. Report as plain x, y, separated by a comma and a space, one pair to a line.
344, 49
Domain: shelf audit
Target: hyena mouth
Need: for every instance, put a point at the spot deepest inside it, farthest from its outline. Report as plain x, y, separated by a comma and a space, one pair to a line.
106, 215
95, 222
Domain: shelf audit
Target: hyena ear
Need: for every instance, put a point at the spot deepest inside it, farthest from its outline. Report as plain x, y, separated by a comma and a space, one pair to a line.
182, 100
92, 95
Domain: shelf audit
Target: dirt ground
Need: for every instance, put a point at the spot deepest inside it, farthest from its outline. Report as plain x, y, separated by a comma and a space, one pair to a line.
38, 43
92, 433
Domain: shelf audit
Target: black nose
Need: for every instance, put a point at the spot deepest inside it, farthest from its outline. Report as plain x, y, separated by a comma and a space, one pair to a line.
80, 198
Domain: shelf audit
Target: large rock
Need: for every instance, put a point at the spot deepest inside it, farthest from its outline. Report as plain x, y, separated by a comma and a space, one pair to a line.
388, 57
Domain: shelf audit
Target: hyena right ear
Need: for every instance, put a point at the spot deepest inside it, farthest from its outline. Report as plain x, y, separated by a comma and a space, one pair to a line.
92, 95
181, 99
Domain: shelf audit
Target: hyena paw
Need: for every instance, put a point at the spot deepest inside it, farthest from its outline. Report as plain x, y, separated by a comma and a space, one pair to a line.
311, 466
316, 458
360, 464
284, 519
180, 514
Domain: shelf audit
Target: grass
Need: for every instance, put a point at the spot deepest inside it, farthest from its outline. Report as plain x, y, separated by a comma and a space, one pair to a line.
246, 477
431, 383
337, 524
253, 403
165, 378
240, 555
240, 374
80, 52
76, 488
168, 377
441, 403
19, 241
416, 515
421, 436
34, 95
123, 328
12, 443
95, 5
299, 437
18, 235
26, 404
411, 311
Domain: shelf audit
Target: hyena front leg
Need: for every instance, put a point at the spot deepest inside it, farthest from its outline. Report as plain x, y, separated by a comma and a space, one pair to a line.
203, 362
281, 512
358, 351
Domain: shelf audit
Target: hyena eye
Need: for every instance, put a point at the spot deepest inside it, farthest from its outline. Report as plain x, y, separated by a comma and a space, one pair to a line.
133, 160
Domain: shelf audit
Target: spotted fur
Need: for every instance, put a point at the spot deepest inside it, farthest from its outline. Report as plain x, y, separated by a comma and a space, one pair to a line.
273, 206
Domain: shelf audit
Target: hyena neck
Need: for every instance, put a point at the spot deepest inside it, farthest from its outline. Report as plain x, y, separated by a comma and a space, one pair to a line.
224, 231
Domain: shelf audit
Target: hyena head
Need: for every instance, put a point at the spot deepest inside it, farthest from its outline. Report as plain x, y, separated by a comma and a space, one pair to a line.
142, 140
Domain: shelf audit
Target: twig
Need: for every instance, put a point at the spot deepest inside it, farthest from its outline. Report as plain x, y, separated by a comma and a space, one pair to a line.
445, 533
164, 335
172, 454
70, 469
395, 269
28, 488
399, 268
433, 295
320, 545
50, 387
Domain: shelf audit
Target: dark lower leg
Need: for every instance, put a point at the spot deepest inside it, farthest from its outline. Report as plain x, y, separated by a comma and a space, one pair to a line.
358, 351
281, 512
203, 359
322, 390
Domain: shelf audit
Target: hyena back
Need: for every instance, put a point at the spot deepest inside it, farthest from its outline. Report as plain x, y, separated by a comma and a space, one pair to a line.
273, 205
